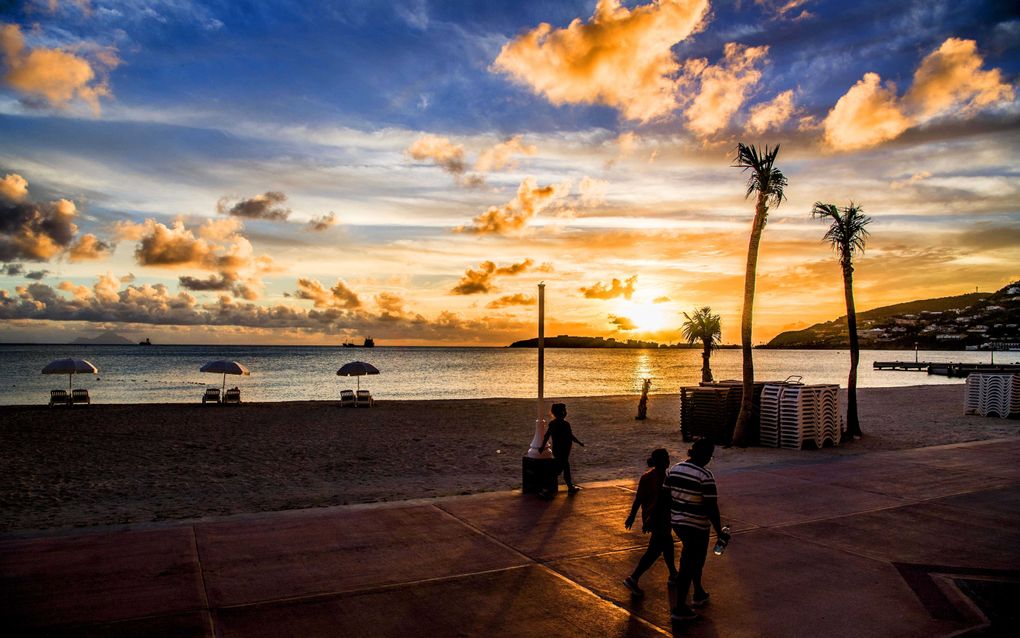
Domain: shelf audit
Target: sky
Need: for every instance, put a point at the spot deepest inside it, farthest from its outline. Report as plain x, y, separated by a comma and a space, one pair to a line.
317, 172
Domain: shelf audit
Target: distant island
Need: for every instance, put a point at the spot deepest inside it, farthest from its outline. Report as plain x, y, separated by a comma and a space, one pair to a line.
107, 338
567, 341
975, 321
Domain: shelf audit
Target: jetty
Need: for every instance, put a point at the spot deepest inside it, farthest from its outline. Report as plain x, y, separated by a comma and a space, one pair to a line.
949, 369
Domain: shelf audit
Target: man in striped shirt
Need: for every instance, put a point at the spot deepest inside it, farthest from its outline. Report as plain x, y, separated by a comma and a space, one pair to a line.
693, 513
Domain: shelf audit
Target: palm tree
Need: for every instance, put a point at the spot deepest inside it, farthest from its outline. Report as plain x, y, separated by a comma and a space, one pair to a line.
847, 234
706, 328
767, 183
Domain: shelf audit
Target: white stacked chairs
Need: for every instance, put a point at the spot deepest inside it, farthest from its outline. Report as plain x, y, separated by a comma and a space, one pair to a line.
993, 394
768, 428
793, 414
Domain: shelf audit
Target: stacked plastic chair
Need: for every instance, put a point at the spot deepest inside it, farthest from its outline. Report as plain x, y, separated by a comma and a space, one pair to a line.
794, 414
996, 394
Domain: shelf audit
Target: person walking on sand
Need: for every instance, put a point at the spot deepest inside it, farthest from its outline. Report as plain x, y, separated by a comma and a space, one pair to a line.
562, 440
654, 501
694, 510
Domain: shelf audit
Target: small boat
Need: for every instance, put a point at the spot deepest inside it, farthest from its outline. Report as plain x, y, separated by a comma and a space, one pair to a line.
145, 343
369, 343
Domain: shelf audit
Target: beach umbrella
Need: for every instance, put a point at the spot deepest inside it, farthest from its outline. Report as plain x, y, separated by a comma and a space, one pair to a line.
224, 367
357, 369
69, 367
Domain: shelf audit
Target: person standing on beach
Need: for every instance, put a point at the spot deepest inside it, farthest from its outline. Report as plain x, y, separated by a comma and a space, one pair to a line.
654, 501
694, 511
563, 440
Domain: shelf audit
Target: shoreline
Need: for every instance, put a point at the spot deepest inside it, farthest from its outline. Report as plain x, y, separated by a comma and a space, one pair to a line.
137, 463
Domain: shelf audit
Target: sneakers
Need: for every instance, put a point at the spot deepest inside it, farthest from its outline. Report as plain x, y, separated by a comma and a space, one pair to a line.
573, 489
682, 612
699, 600
632, 585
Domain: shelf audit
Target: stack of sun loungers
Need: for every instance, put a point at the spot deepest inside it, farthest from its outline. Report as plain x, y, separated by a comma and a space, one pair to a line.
989, 394
794, 414
707, 411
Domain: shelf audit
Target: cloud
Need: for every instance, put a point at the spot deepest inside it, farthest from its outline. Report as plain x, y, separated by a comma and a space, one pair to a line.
949, 82
512, 300
262, 206
622, 323
319, 224
223, 281
54, 75
440, 151
89, 248
218, 245
661, 300
771, 115
36, 231
913, 179
339, 296
501, 155
723, 87
480, 281
514, 216
12, 270
867, 115
592, 191
14, 187
391, 305
621, 57
612, 291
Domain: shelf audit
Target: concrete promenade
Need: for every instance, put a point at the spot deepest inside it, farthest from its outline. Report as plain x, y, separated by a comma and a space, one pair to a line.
922, 542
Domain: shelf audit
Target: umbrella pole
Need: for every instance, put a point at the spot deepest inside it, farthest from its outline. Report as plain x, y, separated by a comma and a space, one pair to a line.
224, 388
69, 381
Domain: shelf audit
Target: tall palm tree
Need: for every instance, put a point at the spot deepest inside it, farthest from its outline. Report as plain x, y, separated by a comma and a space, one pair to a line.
848, 235
766, 183
706, 328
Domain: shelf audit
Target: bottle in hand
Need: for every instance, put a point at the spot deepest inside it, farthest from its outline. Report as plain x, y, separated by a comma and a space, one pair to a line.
722, 541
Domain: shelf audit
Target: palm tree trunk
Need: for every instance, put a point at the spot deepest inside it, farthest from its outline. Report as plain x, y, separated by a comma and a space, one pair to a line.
747, 399
853, 424
706, 366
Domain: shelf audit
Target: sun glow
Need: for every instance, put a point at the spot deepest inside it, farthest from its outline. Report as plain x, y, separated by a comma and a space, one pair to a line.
648, 316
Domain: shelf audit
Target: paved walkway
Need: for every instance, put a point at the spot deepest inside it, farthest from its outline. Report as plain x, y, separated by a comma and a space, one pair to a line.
914, 543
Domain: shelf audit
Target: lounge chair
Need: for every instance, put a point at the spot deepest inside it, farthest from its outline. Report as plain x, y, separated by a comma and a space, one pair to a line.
364, 399
80, 395
347, 399
211, 395
233, 395
59, 397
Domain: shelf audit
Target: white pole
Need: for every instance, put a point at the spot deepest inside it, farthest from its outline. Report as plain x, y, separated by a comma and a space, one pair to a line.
535, 450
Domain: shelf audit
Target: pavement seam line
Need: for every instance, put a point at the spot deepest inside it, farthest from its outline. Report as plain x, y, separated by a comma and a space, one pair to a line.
546, 567
205, 586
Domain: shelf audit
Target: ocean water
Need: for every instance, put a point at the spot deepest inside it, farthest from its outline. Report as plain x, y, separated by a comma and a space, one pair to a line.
156, 374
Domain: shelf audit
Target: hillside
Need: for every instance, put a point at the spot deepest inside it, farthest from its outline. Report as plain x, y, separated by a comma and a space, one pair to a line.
106, 338
976, 320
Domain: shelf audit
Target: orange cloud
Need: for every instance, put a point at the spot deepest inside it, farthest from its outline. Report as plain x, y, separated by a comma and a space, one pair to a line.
867, 115
513, 217
723, 87
268, 205
621, 57
770, 115
512, 300
622, 323
55, 75
324, 222
339, 296
501, 155
439, 150
948, 82
89, 248
950, 79
14, 187
480, 281
612, 291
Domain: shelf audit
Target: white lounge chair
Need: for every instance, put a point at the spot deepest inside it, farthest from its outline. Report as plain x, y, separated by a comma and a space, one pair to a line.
59, 397
80, 395
212, 395
347, 399
232, 395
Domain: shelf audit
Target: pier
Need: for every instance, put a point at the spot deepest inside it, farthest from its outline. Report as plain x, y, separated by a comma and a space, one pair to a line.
949, 369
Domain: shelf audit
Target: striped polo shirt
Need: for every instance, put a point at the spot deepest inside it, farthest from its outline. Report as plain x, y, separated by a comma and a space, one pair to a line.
691, 486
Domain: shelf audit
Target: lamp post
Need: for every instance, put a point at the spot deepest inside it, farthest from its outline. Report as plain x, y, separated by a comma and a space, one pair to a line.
539, 468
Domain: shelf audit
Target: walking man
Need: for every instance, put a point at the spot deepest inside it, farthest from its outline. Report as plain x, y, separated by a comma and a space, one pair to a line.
694, 511
563, 440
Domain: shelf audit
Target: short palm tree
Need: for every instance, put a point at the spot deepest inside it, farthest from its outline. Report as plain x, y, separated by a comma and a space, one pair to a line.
766, 183
848, 235
706, 328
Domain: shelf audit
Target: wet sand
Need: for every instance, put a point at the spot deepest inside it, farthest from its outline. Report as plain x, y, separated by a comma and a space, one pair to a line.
116, 464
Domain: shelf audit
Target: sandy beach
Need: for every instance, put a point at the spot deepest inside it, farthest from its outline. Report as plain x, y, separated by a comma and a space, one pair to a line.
117, 464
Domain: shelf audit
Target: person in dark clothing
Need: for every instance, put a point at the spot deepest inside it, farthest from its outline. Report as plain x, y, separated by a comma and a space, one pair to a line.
655, 503
562, 440
694, 512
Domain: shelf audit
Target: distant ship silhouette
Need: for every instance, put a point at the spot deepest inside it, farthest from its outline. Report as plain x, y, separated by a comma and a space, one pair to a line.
145, 343
369, 343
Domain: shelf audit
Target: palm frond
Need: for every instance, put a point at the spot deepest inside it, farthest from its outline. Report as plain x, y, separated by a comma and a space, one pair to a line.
703, 326
847, 233
764, 178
